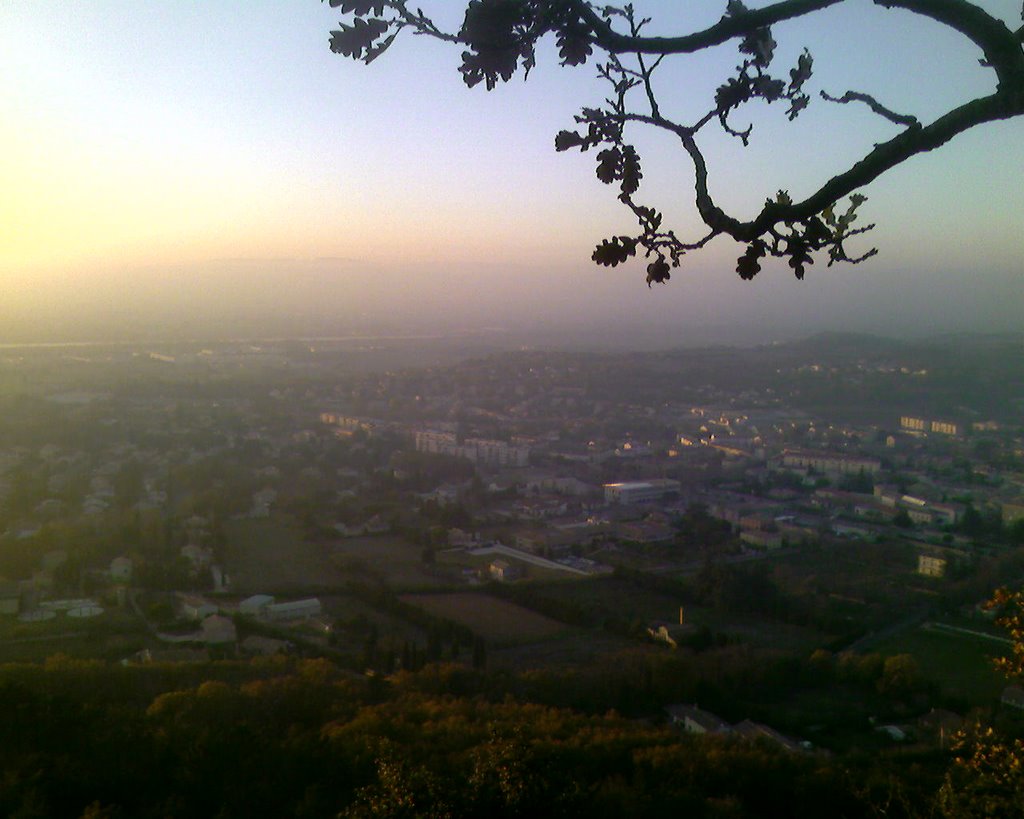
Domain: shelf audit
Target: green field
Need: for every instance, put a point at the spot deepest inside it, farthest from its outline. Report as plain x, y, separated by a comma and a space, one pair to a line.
621, 600
390, 558
354, 616
265, 554
112, 635
495, 620
573, 649
616, 596
269, 554
960, 663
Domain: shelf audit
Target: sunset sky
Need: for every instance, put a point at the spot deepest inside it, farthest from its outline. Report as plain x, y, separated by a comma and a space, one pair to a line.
169, 163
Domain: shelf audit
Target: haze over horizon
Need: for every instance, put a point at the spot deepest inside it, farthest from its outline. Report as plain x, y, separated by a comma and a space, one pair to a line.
183, 170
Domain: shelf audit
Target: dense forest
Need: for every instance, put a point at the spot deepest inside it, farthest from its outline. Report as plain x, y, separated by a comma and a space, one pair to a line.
291, 737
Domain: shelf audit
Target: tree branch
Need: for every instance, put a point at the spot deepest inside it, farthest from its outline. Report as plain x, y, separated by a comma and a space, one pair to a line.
501, 39
728, 28
886, 156
990, 35
874, 105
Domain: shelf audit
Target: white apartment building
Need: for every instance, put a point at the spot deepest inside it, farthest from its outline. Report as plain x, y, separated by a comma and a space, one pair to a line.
632, 492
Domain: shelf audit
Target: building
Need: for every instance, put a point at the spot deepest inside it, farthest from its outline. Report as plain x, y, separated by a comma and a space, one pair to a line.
121, 569
1013, 696
931, 566
482, 451
294, 610
946, 513
757, 731
695, 720
762, 538
440, 443
645, 531
503, 571
911, 423
830, 462
918, 426
495, 453
257, 645
196, 608
671, 634
346, 425
634, 492
218, 630
199, 557
255, 606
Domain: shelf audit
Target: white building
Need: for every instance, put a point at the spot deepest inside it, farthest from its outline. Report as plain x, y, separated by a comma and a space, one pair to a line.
442, 443
121, 569
830, 462
196, 608
217, 630
633, 492
495, 453
478, 450
294, 610
255, 606
696, 720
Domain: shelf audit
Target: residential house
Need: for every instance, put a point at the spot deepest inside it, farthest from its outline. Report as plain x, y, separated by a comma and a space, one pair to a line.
503, 571
218, 630
196, 608
757, 731
695, 720
121, 569
1013, 696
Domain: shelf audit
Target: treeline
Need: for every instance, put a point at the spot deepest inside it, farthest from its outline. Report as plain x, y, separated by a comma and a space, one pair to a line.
305, 739
733, 678
744, 590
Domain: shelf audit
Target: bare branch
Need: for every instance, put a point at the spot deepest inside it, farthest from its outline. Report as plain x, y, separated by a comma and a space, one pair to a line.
990, 35
888, 155
874, 105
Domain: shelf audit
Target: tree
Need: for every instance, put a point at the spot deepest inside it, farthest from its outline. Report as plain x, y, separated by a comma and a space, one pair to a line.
900, 676
987, 775
902, 519
500, 38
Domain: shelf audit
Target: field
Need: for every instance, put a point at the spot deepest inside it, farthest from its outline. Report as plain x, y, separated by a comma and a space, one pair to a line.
852, 568
112, 635
393, 559
495, 620
269, 555
960, 663
353, 616
572, 649
611, 597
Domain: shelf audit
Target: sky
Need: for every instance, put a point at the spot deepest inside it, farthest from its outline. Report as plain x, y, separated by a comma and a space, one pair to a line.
193, 168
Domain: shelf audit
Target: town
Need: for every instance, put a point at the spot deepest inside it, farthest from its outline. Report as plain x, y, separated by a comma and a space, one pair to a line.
717, 538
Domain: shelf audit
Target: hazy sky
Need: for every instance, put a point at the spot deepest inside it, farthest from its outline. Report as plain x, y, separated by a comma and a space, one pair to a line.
195, 166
